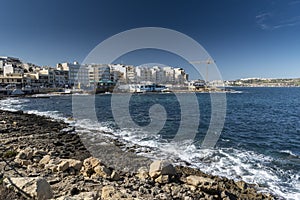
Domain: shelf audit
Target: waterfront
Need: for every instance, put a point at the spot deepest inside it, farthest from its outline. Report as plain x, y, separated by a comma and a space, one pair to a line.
259, 143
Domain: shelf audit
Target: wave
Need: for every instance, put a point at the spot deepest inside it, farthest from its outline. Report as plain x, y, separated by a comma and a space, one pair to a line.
288, 152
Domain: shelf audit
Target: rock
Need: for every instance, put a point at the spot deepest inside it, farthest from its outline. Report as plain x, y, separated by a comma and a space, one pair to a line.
87, 196
39, 153
142, 173
37, 188
23, 162
115, 176
45, 160
91, 162
82, 196
175, 190
242, 185
25, 154
102, 171
76, 164
107, 192
161, 167
74, 191
197, 180
63, 166
162, 179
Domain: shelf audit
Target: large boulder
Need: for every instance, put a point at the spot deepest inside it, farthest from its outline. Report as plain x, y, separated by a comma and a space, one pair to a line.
161, 167
37, 188
93, 168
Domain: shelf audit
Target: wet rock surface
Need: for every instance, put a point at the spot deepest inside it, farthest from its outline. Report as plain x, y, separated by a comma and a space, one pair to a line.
51, 163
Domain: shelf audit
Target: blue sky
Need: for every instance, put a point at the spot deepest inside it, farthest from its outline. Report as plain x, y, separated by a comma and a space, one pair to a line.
257, 38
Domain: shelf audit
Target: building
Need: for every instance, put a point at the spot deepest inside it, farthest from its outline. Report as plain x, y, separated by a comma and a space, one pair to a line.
75, 75
180, 76
11, 81
10, 60
123, 73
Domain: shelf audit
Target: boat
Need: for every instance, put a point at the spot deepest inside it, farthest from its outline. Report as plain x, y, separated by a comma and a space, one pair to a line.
17, 92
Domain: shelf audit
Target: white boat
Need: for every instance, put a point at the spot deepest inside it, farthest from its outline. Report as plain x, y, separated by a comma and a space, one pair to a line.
143, 88
17, 92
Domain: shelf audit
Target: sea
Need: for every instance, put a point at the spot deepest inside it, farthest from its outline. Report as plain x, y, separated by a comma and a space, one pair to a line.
259, 141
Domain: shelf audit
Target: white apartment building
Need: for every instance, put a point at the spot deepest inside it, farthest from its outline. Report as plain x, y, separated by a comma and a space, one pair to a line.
143, 74
123, 73
180, 76
8, 69
76, 75
161, 75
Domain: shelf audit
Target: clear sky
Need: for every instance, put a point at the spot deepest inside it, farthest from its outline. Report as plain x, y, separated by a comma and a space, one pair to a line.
257, 38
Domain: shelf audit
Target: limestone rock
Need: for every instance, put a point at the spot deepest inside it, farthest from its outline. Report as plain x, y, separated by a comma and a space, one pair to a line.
76, 164
142, 173
23, 162
198, 180
82, 196
63, 166
242, 185
162, 179
161, 167
25, 154
102, 171
115, 176
36, 187
45, 160
107, 192
91, 162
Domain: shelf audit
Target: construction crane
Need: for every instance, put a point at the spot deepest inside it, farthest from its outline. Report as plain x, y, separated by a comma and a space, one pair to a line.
207, 62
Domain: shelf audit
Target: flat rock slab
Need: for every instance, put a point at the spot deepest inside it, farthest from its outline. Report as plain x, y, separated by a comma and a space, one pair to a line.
37, 188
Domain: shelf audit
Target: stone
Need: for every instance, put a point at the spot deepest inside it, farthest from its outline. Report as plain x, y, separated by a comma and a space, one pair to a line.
242, 185
87, 196
82, 196
102, 171
92, 162
161, 167
23, 162
76, 164
197, 180
115, 176
142, 173
37, 188
25, 154
107, 192
63, 166
39, 153
162, 179
45, 160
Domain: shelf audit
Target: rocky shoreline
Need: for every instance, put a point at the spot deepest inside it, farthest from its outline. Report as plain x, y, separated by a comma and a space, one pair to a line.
45, 159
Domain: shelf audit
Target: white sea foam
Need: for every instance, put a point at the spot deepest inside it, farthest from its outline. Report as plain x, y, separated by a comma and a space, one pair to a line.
289, 153
12, 104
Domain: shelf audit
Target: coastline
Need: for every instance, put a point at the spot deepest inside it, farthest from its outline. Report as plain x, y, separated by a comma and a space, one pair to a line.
43, 138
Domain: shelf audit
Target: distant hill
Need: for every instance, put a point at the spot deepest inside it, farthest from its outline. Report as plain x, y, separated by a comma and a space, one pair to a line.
265, 82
